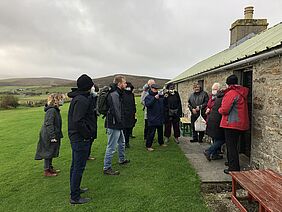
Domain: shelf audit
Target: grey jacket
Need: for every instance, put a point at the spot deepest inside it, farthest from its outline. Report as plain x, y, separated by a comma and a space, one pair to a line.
115, 115
143, 96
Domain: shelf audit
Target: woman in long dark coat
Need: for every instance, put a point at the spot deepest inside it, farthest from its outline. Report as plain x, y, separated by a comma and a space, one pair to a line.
129, 108
214, 130
50, 134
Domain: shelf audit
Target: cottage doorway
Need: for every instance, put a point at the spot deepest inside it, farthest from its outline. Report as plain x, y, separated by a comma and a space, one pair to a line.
246, 140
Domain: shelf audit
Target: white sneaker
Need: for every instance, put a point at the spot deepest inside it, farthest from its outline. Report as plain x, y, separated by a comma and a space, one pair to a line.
166, 140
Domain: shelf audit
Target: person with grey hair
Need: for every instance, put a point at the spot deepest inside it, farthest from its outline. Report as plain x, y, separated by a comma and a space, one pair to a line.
197, 102
144, 94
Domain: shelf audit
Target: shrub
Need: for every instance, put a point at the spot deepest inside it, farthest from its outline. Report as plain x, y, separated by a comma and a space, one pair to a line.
9, 101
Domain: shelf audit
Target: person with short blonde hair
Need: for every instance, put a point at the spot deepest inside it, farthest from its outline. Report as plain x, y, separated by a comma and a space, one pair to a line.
50, 134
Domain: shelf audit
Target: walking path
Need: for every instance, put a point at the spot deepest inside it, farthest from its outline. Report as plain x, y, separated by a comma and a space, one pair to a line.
208, 171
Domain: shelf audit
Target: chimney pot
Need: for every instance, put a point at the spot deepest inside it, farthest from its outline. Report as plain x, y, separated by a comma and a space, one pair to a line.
249, 12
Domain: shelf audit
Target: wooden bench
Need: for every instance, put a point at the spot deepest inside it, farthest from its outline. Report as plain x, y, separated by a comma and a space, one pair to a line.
185, 126
263, 186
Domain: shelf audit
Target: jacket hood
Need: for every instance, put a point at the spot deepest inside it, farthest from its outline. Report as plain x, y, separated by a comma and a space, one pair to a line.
243, 91
75, 92
47, 107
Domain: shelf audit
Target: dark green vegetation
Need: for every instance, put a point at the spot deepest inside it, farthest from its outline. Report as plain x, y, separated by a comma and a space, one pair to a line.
153, 181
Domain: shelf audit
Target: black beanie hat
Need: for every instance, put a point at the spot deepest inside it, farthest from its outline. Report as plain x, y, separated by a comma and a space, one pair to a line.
84, 83
232, 80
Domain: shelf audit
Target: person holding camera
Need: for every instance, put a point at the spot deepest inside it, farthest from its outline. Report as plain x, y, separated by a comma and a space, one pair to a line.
173, 112
155, 115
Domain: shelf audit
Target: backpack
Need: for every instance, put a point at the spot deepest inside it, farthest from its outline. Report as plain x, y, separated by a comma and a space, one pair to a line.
102, 104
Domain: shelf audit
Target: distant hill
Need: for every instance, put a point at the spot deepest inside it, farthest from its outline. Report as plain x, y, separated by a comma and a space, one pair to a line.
137, 81
42, 81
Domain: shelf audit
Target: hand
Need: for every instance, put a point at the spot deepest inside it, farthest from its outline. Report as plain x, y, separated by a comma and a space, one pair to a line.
197, 108
194, 111
157, 96
208, 111
54, 140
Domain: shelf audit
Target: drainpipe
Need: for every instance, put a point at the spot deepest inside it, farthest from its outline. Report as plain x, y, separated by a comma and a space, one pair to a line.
253, 59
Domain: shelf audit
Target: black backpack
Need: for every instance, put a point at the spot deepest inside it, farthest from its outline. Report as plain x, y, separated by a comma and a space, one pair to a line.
102, 105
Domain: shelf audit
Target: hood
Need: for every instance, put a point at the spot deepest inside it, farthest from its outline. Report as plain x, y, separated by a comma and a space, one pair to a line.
75, 92
47, 107
243, 91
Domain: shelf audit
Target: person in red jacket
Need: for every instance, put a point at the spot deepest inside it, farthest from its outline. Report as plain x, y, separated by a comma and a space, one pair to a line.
235, 119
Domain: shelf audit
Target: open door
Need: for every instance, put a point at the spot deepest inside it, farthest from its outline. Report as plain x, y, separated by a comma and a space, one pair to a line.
246, 79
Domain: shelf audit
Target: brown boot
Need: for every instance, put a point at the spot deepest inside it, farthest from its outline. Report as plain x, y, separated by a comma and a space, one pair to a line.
53, 170
48, 173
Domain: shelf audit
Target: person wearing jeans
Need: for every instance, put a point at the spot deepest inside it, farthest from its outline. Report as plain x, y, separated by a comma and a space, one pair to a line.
213, 124
115, 138
115, 124
81, 130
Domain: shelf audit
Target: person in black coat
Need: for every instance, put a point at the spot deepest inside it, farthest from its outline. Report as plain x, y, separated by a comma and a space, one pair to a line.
50, 135
214, 130
155, 115
93, 97
197, 104
81, 131
129, 112
173, 112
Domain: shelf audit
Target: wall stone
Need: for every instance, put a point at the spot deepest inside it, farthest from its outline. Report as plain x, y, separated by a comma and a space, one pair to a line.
267, 115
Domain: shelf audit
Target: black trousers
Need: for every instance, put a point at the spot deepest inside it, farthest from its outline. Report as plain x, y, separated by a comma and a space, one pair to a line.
151, 135
146, 129
48, 163
89, 150
232, 140
80, 152
127, 132
197, 136
176, 130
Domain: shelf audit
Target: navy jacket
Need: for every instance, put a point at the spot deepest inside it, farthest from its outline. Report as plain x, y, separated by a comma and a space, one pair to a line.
81, 123
155, 109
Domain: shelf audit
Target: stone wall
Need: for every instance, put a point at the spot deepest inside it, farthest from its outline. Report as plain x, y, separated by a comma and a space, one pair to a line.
267, 115
186, 88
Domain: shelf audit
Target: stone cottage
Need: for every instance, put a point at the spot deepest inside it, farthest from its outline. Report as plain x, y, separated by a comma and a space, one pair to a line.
254, 55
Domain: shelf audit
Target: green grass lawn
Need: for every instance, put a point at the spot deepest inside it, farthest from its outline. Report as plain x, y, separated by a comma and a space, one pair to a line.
154, 181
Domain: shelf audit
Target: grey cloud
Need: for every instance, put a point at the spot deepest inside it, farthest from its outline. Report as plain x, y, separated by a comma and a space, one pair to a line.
158, 38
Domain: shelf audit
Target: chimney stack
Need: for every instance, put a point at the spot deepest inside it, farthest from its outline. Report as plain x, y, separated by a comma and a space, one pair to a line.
243, 29
249, 12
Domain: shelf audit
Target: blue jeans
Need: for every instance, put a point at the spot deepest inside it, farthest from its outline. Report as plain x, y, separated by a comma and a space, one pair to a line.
79, 157
217, 143
115, 137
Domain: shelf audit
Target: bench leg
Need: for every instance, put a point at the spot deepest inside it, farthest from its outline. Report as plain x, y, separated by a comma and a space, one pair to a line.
234, 197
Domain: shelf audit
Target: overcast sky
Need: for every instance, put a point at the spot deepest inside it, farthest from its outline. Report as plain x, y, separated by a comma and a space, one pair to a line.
159, 38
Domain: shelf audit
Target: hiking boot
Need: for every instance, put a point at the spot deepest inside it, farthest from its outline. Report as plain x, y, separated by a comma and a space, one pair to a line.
127, 146
124, 162
53, 170
83, 190
207, 155
216, 157
176, 140
79, 201
226, 171
150, 149
111, 172
163, 145
91, 158
48, 173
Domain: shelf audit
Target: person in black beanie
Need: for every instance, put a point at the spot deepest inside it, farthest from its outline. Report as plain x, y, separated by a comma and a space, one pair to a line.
81, 132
